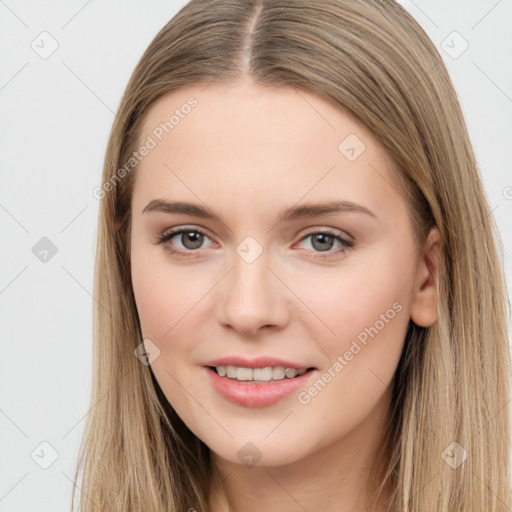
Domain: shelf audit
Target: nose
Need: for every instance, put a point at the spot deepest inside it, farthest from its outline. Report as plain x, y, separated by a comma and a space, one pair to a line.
253, 297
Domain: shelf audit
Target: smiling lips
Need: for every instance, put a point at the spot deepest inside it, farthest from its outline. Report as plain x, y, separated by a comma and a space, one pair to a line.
258, 382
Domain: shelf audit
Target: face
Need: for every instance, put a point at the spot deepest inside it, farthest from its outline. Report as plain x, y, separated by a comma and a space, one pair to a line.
271, 274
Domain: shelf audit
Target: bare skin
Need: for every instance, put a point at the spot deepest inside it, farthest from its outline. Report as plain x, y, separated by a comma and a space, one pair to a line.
247, 152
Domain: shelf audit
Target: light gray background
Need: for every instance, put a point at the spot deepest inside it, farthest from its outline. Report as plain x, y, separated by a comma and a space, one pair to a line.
55, 116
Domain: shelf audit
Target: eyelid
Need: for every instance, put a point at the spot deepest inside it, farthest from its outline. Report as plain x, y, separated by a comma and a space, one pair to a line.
329, 230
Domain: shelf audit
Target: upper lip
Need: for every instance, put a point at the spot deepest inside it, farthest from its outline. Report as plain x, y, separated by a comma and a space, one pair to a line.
257, 362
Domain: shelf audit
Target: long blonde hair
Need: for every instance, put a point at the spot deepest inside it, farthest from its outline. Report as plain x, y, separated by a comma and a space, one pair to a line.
371, 59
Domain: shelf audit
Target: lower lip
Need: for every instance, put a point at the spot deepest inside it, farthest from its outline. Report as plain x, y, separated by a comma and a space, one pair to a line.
253, 394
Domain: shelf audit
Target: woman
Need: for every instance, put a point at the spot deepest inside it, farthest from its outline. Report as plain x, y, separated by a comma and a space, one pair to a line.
300, 303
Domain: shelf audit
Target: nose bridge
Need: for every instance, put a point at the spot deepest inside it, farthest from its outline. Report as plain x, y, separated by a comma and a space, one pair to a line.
252, 297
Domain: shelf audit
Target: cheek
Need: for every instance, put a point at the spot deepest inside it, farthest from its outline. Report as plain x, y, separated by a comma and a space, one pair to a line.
352, 299
154, 302
167, 303
366, 306
164, 294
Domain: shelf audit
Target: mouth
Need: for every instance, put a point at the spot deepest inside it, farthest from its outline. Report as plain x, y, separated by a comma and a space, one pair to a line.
265, 375
248, 387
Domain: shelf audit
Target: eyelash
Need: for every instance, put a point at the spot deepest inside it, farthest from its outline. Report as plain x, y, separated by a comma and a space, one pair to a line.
346, 244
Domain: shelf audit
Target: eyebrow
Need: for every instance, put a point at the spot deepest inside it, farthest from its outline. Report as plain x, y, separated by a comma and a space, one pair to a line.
286, 215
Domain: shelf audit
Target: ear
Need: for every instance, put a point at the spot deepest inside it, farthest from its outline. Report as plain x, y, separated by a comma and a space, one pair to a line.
424, 296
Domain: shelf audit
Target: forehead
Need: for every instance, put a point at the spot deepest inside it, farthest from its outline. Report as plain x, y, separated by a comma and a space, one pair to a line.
240, 138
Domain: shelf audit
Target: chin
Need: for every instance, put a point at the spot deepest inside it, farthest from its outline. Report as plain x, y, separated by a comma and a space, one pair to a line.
269, 453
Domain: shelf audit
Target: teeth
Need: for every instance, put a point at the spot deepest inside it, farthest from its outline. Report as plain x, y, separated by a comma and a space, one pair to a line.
259, 374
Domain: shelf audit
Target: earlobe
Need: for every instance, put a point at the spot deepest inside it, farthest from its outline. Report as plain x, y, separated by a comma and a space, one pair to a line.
424, 298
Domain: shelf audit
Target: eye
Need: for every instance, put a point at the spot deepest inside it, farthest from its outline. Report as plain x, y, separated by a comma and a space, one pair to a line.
323, 241
191, 240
